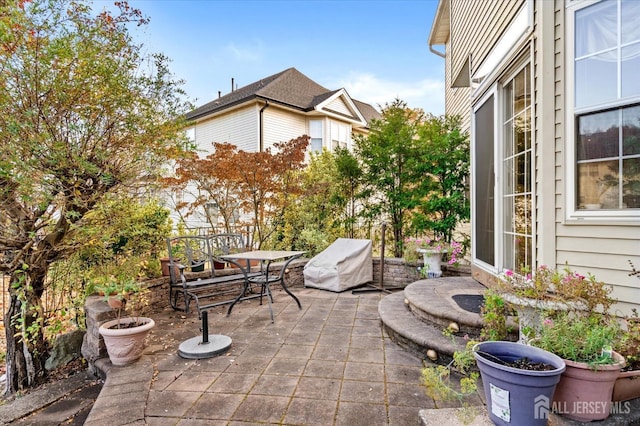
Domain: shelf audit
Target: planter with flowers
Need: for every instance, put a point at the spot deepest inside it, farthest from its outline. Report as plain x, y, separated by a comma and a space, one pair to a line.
548, 290
584, 340
432, 251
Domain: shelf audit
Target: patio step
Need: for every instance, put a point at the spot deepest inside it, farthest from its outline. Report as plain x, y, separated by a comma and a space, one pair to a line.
416, 317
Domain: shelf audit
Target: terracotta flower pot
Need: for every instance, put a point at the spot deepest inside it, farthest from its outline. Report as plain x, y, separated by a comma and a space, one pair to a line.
116, 302
584, 394
125, 345
243, 262
627, 386
164, 265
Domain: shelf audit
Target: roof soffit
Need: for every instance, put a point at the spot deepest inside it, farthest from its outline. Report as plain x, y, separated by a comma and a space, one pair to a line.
441, 26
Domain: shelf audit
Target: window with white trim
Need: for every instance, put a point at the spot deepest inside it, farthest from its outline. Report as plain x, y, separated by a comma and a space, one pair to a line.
604, 47
340, 135
315, 134
516, 167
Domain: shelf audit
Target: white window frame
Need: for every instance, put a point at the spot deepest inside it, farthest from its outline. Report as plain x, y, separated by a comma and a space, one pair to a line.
312, 137
574, 215
496, 90
500, 158
337, 139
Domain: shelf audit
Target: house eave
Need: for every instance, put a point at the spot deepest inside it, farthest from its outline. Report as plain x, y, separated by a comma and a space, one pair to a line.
441, 26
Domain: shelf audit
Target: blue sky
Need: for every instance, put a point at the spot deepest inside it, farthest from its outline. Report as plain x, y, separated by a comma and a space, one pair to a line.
376, 50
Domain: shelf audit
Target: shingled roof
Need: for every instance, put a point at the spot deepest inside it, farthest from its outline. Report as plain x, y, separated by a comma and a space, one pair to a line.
289, 87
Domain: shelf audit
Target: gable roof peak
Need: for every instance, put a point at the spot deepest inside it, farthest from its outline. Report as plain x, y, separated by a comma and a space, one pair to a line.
289, 88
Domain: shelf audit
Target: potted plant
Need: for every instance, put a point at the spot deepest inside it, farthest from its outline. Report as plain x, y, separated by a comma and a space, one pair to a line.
432, 251
523, 372
125, 335
627, 385
547, 290
517, 379
584, 340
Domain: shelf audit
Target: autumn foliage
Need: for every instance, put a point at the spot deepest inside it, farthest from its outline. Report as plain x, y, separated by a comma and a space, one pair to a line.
84, 114
252, 187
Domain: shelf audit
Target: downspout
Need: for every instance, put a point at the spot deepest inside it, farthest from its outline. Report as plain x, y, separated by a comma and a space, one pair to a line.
432, 50
261, 147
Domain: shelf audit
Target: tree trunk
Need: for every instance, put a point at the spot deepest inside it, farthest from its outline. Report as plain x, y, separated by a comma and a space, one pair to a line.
25, 357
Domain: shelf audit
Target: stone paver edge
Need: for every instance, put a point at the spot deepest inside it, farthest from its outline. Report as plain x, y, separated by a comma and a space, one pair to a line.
133, 415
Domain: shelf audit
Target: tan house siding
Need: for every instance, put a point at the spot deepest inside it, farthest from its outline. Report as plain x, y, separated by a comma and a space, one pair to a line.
282, 125
601, 249
232, 126
544, 131
589, 246
473, 40
477, 27
458, 102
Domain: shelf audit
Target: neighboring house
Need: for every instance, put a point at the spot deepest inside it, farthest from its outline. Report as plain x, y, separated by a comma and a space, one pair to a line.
550, 93
279, 108
275, 109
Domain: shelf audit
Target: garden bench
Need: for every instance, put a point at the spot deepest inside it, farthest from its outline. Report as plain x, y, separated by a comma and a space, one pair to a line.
196, 274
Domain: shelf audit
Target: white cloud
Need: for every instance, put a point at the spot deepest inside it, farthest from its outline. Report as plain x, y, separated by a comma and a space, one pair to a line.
426, 94
245, 53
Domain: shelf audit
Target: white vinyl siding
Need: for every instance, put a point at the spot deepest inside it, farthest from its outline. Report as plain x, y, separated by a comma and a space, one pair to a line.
239, 127
282, 125
339, 106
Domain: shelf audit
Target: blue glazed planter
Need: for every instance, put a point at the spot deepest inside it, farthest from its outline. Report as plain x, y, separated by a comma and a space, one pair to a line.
515, 396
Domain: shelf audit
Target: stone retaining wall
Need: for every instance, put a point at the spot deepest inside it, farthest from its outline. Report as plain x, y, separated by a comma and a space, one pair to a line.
396, 274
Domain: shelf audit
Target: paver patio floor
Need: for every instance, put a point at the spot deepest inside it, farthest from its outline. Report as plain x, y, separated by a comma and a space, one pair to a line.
327, 364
